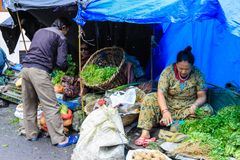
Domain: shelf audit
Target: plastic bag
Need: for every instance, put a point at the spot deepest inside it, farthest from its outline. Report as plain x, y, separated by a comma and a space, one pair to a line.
120, 97
102, 136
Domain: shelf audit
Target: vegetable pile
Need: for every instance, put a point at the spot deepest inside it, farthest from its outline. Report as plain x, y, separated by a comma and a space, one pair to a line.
57, 74
149, 155
220, 132
71, 71
93, 74
9, 72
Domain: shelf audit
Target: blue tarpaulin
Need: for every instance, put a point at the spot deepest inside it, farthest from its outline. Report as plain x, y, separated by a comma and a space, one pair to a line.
161, 11
211, 27
215, 49
8, 23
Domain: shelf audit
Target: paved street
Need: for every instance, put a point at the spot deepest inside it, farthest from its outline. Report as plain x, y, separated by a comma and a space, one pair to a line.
14, 147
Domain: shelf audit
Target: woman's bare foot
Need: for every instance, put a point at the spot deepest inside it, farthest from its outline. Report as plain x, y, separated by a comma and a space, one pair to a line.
145, 134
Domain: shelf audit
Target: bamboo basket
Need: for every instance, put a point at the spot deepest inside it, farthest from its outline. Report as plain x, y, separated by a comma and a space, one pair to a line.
109, 56
128, 119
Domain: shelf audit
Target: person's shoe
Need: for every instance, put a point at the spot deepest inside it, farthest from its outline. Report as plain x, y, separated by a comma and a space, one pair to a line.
72, 139
33, 139
40, 135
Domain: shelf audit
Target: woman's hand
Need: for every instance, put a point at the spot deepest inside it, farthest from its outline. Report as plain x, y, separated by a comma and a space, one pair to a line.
192, 109
166, 119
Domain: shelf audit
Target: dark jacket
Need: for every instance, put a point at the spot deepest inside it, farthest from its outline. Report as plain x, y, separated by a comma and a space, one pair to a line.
48, 48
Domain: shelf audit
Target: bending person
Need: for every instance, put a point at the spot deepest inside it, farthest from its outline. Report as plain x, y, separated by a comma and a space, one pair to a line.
48, 48
181, 90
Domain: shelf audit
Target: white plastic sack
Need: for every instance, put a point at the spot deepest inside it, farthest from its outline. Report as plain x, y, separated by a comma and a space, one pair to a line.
120, 97
19, 114
102, 136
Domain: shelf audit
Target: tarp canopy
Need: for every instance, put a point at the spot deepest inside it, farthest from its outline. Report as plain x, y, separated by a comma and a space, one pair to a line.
211, 27
37, 14
9, 23
16, 5
10, 33
161, 11
101, 34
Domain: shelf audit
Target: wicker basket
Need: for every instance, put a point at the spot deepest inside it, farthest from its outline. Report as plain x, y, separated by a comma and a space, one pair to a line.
109, 56
129, 118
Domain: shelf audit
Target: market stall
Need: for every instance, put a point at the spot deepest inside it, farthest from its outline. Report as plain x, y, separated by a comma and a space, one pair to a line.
115, 99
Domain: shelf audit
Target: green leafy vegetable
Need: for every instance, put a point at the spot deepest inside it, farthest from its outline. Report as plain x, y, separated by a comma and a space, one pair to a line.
71, 71
221, 132
9, 72
94, 74
57, 74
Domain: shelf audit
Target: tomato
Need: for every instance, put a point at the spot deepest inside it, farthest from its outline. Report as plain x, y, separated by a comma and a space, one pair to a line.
101, 102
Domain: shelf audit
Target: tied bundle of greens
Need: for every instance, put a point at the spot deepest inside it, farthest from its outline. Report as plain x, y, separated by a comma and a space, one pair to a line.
9, 72
93, 74
57, 74
220, 132
71, 71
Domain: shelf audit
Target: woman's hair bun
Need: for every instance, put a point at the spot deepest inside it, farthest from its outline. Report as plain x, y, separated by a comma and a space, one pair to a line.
188, 49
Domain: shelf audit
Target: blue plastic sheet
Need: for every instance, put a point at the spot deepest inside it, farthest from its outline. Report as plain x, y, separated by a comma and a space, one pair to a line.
211, 27
208, 26
73, 104
17, 67
161, 11
216, 50
8, 23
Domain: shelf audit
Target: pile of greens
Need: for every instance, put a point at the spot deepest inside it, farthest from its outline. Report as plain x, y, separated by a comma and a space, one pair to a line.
94, 74
57, 74
9, 72
220, 132
72, 67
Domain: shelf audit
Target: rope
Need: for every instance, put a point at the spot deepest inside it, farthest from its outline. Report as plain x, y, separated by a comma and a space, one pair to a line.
20, 26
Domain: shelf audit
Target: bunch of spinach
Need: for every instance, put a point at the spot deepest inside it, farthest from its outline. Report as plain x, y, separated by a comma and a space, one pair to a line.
57, 74
9, 72
71, 71
220, 132
93, 74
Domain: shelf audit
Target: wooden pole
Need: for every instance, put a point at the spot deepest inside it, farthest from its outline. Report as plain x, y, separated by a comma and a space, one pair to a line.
20, 26
80, 64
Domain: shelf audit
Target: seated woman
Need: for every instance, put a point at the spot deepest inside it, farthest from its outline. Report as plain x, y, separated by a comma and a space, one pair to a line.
181, 90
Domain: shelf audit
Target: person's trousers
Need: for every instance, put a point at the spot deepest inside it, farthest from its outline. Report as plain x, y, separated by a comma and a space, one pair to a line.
150, 114
37, 87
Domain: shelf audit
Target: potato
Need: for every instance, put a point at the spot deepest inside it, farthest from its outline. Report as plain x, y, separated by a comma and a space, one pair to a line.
137, 157
148, 156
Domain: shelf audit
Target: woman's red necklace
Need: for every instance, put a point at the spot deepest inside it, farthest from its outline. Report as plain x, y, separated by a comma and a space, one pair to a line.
182, 79
182, 84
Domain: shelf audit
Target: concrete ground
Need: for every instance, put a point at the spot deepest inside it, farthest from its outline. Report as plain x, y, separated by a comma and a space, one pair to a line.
14, 147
